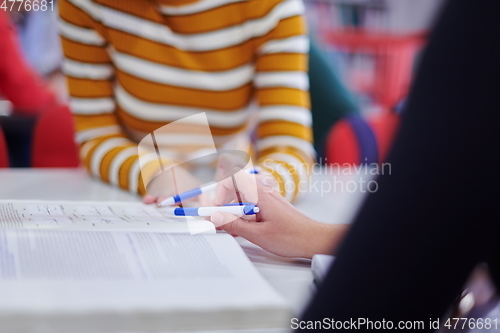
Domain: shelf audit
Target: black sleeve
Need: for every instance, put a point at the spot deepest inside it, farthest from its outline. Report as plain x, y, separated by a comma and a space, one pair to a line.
414, 242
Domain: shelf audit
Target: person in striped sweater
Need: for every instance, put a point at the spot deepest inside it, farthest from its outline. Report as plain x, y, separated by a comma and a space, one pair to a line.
133, 66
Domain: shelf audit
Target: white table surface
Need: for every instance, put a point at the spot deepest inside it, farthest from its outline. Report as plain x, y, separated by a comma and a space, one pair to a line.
292, 278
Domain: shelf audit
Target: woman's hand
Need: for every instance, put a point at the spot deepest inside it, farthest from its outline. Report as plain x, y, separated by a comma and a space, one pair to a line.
279, 227
170, 182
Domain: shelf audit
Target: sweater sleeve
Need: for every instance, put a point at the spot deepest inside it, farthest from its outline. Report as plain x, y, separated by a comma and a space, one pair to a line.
284, 136
105, 150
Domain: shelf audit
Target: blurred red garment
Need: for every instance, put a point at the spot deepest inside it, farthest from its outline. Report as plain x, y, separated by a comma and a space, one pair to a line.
53, 137
54, 143
18, 83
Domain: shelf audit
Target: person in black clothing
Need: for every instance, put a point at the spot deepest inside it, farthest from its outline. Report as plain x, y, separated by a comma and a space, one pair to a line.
416, 240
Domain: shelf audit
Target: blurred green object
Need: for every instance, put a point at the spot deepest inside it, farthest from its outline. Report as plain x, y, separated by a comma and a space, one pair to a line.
330, 99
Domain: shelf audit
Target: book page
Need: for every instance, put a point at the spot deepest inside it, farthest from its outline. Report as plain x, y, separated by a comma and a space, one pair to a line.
81, 255
100, 215
101, 281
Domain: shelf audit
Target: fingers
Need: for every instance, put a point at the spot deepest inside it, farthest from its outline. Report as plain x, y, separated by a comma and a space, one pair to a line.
149, 199
234, 225
266, 179
171, 181
206, 200
159, 200
234, 159
245, 184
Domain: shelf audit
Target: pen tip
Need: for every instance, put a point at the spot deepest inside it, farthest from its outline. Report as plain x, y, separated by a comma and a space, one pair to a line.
256, 210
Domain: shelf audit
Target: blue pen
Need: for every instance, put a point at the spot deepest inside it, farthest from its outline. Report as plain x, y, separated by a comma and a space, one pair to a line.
236, 209
195, 192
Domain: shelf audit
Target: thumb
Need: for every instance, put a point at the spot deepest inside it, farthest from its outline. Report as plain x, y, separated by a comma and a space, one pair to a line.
233, 224
149, 199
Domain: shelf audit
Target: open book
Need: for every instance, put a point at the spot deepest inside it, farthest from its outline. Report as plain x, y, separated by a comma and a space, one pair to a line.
98, 215
82, 274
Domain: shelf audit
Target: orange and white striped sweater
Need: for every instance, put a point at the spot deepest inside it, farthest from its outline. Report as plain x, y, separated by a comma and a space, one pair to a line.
135, 65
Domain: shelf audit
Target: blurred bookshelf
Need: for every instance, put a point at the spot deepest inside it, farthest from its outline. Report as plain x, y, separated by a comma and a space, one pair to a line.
372, 44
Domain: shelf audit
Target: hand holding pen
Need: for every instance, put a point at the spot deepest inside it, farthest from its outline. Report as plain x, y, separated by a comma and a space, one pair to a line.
239, 208
209, 187
278, 227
